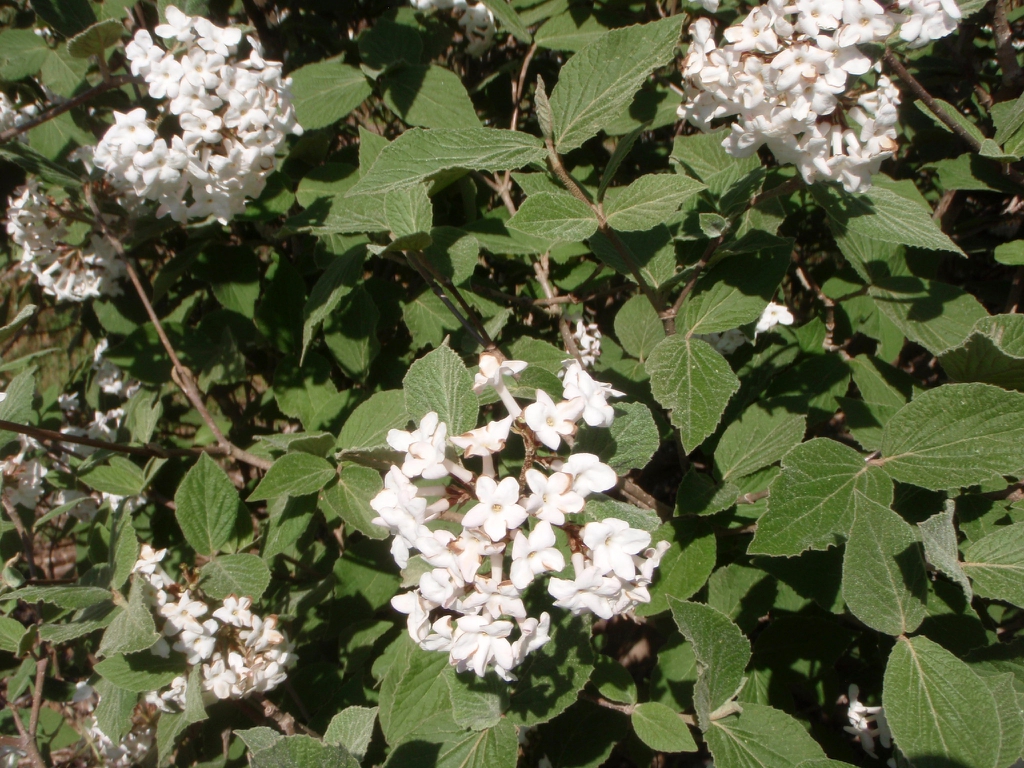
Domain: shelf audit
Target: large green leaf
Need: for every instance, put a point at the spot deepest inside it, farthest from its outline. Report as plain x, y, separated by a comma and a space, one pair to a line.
429, 96
956, 435
694, 382
761, 737
661, 729
722, 654
140, 672
242, 575
302, 751
755, 440
294, 474
686, 565
629, 443
995, 564
326, 91
349, 499
938, 534
207, 506
939, 711
334, 284
603, 78
938, 316
993, 353
648, 201
440, 382
133, 629
352, 728
555, 216
884, 580
638, 327
414, 699
811, 502
418, 155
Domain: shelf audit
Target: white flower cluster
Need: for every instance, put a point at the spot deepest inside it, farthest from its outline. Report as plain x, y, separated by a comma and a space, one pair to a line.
240, 652
67, 272
868, 724
23, 477
12, 116
468, 613
727, 342
788, 74
588, 340
131, 750
232, 117
476, 20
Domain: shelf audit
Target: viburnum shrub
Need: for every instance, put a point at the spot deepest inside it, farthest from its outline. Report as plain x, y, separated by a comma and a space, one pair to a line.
512, 383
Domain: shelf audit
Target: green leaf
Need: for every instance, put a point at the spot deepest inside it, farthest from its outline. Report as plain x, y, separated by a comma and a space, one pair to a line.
722, 653
351, 334
703, 155
1011, 254
325, 92
694, 382
570, 31
698, 494
1011, 717
476, 703
956, 435
605, 75
352, 728
761, 737
119, 476
938, 534
884, 581
440, 382
992, 354
755, 440
414, 700
638, 327
622, 149
555, 216
408, 212
11, 632
495, 747
349, 500
685, 567
614, 681
242, 575
419, 155
388, 42
628, 444
939, 711
64, 597
68, 17
96, 39
881, 214
367, 427
140, 672
648, 201
294, 474
24, 315
995, 564
17, 405
600, 507
301, 752
429, 96
736, 291
114, 710
661, 729
307, 393
207, 506
334, 284
936, 315
508, 19
133, 629
811, 502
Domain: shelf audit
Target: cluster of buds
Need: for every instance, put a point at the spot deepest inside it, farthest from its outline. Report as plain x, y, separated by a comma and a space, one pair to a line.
240, 652
469, 598
14, 116
588, 341
476, 20
788, 74
231, 114
65, 271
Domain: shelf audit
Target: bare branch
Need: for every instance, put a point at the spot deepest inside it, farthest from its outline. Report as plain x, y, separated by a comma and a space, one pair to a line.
65, 106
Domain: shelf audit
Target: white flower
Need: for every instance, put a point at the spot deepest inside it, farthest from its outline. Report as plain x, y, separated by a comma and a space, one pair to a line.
612, 544
867, 723
533, 634
418, 610
485, 440
198, 645
551, 422
235, 611
553, 497
215, 39
493, 598
438, 588
498, 510
184, 614
577, 383
491, 374
480, 642
220, 679
178, 26
774, 314
534, 555
424, 448
589, 475
588, 592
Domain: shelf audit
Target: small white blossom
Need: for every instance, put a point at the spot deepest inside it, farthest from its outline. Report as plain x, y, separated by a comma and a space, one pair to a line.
534, 555
498, 510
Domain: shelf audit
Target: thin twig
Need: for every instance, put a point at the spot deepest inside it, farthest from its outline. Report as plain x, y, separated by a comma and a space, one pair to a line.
471, 313
540, 268
181, 375
517, 99
59, 109
28, 735
933, 106
1006, 54
414, 262
668, 318
55, 440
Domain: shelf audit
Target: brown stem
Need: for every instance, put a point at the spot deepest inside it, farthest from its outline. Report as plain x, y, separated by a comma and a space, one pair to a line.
1005, 52
809, 283
480, 336
471, 313
28, 735
27, 543
65, 106
602, 224
929, 101
540, 268
55, 439
517, 99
